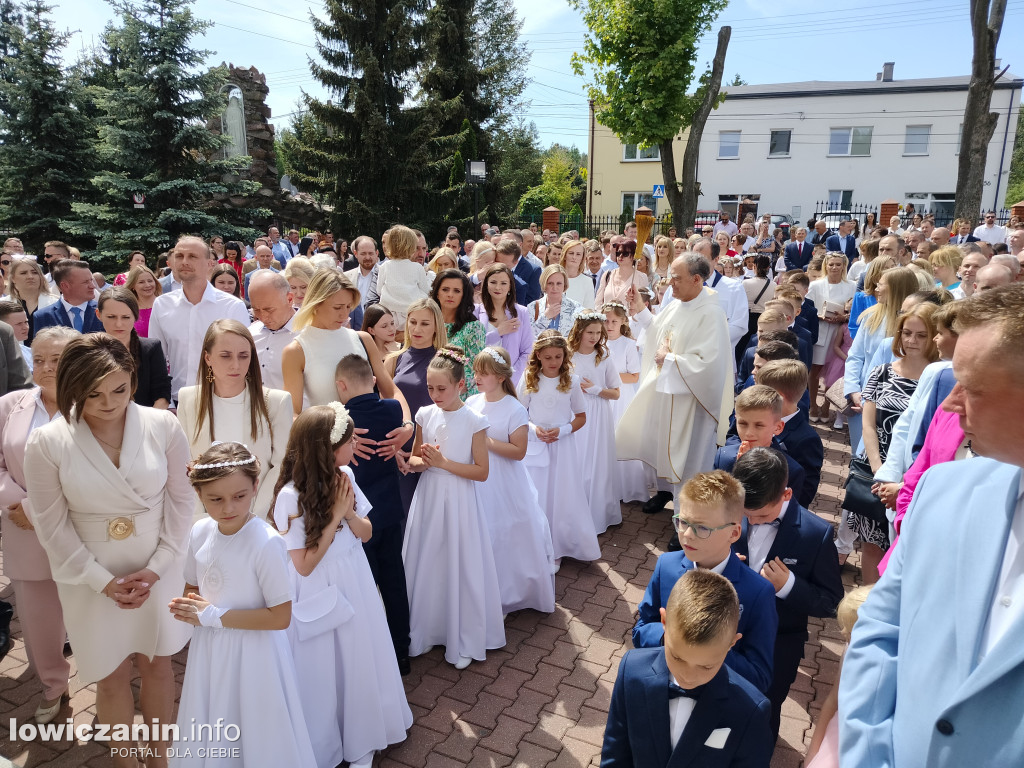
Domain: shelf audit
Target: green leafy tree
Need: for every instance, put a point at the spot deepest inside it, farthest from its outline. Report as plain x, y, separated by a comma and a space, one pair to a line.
367, 151
1015, 185
518, 168
559, 183
46, 156
643, 61
154, 139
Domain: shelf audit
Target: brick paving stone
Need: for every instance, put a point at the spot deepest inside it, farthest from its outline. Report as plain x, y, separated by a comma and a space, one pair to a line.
550, 730
528, 705
508, 683
443, 715
505, 738
488, 708
569, 701
589, 727
462, 741
468, 687
547, 679
532, 756
485, 758
426, 693
575, 753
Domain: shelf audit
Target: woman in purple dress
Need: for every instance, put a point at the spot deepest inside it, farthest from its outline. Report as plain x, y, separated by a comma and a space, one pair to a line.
506, 322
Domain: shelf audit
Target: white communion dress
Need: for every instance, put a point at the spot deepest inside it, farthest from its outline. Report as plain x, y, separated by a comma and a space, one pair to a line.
630, 476
597, 439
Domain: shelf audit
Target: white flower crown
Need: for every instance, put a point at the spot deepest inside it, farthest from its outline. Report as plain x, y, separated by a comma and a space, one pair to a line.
219, 464
340, 422
495, 355
617, 304
592, 315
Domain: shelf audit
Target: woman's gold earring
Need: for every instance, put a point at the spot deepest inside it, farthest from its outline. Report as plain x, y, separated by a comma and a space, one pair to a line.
209, 375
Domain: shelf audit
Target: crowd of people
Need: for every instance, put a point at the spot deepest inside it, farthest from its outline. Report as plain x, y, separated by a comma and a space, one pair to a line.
314, 464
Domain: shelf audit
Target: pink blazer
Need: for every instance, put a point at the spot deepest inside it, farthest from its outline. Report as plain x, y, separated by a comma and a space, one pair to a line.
24, 557
941, 442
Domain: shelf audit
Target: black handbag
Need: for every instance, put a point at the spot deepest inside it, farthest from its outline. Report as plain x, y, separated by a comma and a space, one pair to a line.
859, 499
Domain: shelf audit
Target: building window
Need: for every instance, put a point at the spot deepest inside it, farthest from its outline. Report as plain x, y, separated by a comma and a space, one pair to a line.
840, 199
778, 145
633, 200
916, 140
728, 144
633, 152
938, 204
850, 141
739, 206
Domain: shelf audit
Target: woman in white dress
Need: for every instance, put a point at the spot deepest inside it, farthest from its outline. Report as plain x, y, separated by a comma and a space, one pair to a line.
581, 287
630, 476
238, 596
308, 363
519, 531
829, 296
111, 505
230, 404
352, 691
454, 598
551, 394
599, 380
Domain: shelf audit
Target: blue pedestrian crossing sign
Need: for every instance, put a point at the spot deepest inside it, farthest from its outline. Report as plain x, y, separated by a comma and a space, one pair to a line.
659, 190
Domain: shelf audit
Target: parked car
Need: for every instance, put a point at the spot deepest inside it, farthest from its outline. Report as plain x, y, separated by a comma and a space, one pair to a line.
782, 221
705, 217
833, 217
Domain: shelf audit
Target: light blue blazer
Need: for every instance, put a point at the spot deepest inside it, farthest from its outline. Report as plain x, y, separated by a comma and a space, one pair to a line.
914, 691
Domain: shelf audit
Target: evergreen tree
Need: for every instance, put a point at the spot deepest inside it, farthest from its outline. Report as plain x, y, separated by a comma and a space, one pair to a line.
10, 26
518, 168
47, 153
154, 139
368, 152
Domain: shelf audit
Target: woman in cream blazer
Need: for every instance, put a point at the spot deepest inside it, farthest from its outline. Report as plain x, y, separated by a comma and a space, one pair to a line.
230, 404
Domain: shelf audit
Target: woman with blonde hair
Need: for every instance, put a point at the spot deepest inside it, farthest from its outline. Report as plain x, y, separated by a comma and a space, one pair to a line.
231, 405
829, 296
445, 258
27, 284
309, 362
581, 287
664, 254
143, 283
298, 272
554, 310
400, 279
946, 263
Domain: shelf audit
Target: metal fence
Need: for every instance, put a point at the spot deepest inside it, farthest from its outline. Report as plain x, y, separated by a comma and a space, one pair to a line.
942, 216
592, 227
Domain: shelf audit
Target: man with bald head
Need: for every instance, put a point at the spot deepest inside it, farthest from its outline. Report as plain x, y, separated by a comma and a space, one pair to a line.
264, 261
992, 276
684, 396
935, 666
968, 273
1009, 262
940, 236
271, 300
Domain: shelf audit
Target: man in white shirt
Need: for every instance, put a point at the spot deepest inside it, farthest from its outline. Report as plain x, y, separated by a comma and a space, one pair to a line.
968, 272
1015, 242
724, 225
271, 301
990, 232
528, 246
180, 319
13, 313
280, 247
264, 261
365, 275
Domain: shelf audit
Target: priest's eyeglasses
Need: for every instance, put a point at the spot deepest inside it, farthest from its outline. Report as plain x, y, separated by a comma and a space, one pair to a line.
700, 531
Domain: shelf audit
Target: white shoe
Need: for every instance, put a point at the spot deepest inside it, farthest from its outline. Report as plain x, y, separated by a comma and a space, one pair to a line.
463, 662
558, 564
364, 762
47, 711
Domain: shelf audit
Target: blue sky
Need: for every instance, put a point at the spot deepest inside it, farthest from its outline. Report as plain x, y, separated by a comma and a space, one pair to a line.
773, 41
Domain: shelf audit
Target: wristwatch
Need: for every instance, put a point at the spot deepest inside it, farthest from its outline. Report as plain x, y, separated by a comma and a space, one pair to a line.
409, 423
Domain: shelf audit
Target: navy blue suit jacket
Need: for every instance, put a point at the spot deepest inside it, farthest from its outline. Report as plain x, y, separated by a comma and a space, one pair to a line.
752, 655
943, 386
804, 350
800, 442
725, 459
55, 314
804, 403
832, 244
378, 477
808, 319
804, 544
638, 733
796, 260
530, 275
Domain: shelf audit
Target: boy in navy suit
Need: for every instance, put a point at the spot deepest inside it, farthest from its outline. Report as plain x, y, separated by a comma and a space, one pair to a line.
758, 421
793, 549
746, 367
682, 705
807, 317
708, 521
791, 308
798, 438
378, 479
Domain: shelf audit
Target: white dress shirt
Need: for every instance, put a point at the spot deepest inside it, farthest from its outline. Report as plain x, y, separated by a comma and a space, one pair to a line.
269, 348
180, 327
1008, 599
26, 353
993, 235
83, 308
759, 543
679, 710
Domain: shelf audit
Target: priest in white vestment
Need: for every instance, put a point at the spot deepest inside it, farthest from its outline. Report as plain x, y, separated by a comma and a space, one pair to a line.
681, 410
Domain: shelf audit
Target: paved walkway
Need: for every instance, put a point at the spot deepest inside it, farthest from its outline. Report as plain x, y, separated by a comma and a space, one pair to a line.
540, 701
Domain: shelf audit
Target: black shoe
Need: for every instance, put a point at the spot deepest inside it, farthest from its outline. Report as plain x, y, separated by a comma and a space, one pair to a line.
403, 664
67, 648
6, 612
657, 503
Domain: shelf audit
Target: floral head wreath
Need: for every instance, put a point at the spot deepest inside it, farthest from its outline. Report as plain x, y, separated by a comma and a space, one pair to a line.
590, 315
340, 422
452, 355
495, 355
617, 305
219, 464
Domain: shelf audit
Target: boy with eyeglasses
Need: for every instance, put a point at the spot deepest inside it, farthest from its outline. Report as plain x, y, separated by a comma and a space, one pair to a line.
708, 521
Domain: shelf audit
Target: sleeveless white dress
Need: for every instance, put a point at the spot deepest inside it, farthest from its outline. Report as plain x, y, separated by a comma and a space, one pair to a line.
597, 439
630, 476
352, 692
557, 470
454, 598
519, 531
323, 349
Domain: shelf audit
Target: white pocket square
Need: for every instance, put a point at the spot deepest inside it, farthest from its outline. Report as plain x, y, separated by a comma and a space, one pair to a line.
718, 738
789, 561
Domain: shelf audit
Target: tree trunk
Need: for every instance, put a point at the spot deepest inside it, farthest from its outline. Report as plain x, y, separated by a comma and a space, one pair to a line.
682, 195
979, 123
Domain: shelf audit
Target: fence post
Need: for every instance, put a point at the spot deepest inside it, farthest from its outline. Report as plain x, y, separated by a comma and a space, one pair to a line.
1017, 209
549, 219
886, 210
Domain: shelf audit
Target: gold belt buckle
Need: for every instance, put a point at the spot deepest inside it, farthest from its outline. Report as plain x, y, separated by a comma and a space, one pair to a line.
120, 528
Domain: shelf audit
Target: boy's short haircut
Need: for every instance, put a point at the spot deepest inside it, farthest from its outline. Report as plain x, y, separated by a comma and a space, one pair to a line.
764, 474
702, 608
771, 315
783, 305
716, 488
508, 246
9, 307
759, 398
787, 377
946, 315
355, 369
786, 336
798, 276
776, 350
